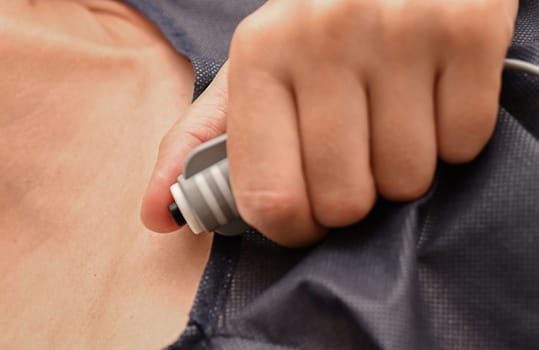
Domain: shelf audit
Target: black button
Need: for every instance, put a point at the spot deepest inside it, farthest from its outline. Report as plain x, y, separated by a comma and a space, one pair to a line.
176, 214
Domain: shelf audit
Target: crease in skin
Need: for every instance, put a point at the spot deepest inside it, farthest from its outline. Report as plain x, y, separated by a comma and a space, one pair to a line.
105, 22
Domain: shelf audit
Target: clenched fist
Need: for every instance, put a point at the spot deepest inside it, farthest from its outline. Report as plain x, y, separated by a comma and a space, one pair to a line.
330, 103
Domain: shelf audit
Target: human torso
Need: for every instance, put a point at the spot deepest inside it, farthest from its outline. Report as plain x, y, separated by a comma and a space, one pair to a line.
86, 97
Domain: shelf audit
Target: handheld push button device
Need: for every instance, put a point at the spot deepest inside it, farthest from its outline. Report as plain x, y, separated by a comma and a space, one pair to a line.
203, 196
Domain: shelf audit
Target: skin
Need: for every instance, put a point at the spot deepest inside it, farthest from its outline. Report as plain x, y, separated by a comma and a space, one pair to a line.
88, 89
330, 104
83, 82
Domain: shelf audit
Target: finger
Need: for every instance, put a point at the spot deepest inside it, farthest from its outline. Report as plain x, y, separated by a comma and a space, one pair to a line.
265, 159
469, 86
335, 142
402, 129
204, 120
467, 104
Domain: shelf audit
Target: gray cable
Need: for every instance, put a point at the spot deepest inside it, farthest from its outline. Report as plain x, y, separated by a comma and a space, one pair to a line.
522, 66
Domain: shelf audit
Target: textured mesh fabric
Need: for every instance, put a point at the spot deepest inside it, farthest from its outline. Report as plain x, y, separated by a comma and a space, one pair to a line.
199, 29
457, 269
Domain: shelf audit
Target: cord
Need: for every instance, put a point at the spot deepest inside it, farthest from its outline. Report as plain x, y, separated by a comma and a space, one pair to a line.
522, 66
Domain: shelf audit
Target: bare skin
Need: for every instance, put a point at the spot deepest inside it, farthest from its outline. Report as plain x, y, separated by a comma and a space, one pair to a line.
88, 90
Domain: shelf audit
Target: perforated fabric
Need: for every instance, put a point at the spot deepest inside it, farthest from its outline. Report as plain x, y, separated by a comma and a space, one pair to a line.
458, 269
199, 29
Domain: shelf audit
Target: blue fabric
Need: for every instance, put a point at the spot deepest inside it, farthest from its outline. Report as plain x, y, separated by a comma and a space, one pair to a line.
199, 29
458, 269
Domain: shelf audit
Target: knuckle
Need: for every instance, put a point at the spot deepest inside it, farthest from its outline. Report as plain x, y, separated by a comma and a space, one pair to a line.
361, 16
264, 208
263, 40
342, 22
344, 208
457, 155
169, 143
481, 123
203, 128
248, 37
465, 139
463, 149
164, 145
248, 30
297, 238
462, 30
406, 187
332, 13
465, 34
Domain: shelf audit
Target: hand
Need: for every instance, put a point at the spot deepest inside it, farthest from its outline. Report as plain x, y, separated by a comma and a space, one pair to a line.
332, 102
203, 121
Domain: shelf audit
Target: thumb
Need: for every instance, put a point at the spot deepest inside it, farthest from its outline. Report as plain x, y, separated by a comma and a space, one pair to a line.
205, 119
